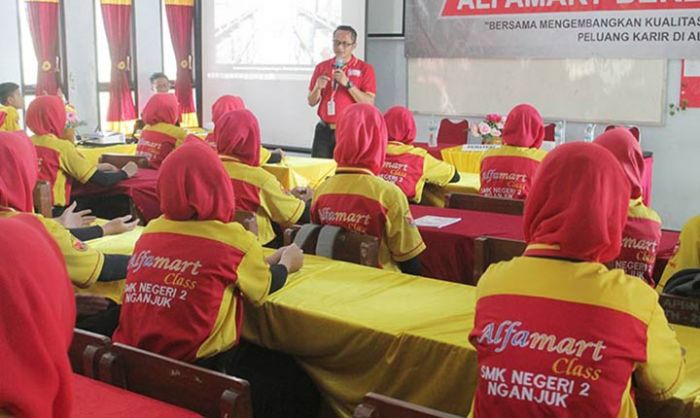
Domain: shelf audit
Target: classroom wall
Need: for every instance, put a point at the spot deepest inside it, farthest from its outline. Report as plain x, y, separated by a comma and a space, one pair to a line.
675, 144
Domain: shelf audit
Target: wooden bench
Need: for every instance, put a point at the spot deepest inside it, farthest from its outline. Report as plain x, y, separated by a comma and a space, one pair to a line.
379, 406
488, 250
43, 204
206, 392
85, 351
336, 243
484, 204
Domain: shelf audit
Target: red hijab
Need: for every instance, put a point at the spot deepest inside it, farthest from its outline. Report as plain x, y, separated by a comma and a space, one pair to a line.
225, 104
577, 207
626, 149
18, 172
361, 138
161, 108
47, 115
37, 316
400, 125
524, 127
193, 185
238, 136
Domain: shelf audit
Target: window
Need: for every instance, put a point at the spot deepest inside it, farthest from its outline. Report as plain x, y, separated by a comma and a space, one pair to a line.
104, 65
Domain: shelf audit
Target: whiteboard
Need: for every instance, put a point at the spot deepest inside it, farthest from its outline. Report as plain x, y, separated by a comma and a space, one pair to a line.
590, 90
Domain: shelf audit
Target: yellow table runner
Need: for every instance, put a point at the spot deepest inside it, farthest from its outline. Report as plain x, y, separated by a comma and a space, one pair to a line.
301, 171
435, 196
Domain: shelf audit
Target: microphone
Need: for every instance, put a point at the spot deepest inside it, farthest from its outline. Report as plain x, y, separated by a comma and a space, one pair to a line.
337, 65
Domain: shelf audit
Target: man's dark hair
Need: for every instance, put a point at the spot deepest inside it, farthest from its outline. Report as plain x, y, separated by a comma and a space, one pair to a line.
7, 90
156, 76
347, 28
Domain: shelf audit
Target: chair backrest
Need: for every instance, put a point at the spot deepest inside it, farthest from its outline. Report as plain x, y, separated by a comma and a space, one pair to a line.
681, 310
456, 133
484, 204
336, 243
549, 130
488, 250
209, 393
85, 351
42, 198
380, 406
634, 130
120, 160
248, 220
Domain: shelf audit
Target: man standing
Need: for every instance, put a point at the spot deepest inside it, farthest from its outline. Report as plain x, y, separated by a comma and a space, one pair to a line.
336, 84
160, 83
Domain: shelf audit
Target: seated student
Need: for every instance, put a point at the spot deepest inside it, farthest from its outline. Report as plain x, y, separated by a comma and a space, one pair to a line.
225, 104
686, 255
597, 336
161, 135
256, 190
18, 174
59, 161
642, 234
357, 199
36, 323
11, 100
508, 171
409, 167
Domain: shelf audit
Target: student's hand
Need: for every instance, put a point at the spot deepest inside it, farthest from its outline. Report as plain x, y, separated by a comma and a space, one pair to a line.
302, 193
119, 225
322, 82
71, 219
340, 77
130, 169
275, 257
90, 304
292, 258
107, 167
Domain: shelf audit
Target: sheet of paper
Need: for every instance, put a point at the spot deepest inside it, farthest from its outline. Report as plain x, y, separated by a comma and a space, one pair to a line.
435, 221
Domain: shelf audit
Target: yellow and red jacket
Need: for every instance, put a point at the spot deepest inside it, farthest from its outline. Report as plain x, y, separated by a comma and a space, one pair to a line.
410, 168
60, 163
640, 241
185, 285
508, 171
157, 141
686, 255
559, 338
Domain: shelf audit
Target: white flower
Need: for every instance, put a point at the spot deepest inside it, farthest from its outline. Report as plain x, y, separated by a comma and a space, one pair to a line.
495, 132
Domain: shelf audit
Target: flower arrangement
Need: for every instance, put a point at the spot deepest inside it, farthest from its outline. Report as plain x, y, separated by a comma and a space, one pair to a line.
72, 119
490, 129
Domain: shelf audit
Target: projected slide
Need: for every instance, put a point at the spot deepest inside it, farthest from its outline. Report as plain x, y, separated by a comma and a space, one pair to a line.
265, 52
283, 37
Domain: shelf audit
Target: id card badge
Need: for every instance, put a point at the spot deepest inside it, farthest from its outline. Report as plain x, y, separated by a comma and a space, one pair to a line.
331, 108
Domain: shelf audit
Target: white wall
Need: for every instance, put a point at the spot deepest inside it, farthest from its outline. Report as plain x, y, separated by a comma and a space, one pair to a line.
675, 144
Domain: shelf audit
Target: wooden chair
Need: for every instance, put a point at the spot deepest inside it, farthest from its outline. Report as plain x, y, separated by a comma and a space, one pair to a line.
379, 406
120, 160
206, 392
85, 351
42, 199
248, 220
488, 250
336, 243
456, 133
681, 310
484, 204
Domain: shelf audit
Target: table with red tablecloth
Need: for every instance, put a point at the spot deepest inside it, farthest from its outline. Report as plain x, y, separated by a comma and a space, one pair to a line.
92, 398
450, 250
142, 189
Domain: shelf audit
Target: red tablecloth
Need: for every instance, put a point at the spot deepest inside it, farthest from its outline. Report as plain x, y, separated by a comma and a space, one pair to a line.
450, 252
93, 398
434, 151
142, 189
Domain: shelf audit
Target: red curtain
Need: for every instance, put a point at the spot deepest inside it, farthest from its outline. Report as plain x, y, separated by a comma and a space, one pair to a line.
116, 15
180, 17
43, 25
